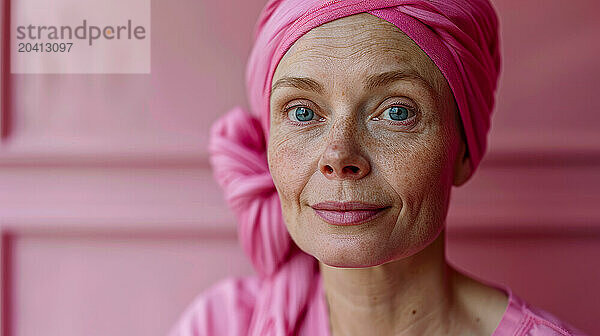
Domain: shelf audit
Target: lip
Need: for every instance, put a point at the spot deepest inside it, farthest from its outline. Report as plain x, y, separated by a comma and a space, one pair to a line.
346, 206
348, 213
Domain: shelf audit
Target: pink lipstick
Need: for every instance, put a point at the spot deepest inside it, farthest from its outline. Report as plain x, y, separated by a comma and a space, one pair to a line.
347, 213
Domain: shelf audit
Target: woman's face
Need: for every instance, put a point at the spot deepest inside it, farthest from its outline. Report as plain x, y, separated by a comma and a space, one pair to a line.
358, 112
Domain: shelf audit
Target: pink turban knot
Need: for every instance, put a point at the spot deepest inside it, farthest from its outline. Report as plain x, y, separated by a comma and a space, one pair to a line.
460, 37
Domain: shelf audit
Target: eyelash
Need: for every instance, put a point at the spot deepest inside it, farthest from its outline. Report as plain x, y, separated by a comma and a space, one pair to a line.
299, 123
407, 122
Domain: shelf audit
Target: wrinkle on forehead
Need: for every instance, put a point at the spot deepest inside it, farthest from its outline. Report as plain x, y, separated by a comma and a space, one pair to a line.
356, 39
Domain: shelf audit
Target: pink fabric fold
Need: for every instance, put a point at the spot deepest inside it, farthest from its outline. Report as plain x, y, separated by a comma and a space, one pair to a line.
239, 161
461, 39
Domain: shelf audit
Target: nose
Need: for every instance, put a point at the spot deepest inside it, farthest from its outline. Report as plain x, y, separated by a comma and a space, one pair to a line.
342, 159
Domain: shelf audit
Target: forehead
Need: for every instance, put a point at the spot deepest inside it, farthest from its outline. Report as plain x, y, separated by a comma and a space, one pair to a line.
352, 48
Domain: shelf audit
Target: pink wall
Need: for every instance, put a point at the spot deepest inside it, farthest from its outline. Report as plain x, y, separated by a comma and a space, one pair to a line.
111, 222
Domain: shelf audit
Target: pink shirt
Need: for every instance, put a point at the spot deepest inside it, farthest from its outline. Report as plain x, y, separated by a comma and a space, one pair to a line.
226, 309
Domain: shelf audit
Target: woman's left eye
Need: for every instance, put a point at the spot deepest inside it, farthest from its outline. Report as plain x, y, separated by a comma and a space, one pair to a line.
399, 113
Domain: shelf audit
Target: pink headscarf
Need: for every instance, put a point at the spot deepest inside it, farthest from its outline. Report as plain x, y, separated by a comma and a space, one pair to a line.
461, 38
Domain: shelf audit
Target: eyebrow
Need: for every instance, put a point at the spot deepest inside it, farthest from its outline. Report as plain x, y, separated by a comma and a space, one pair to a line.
302, 83
372, 82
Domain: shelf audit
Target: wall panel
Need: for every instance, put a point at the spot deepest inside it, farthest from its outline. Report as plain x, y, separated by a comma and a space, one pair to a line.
111, 222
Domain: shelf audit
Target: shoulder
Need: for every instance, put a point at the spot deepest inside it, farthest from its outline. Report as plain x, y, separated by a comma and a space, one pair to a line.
223, 309
524, 319
500, 312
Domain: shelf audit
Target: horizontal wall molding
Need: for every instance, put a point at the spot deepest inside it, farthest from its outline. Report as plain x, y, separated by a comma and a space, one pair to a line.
530, 232
106, 160
228, 232
542, 157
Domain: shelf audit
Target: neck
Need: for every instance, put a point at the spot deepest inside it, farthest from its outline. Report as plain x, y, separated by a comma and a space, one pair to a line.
410, 296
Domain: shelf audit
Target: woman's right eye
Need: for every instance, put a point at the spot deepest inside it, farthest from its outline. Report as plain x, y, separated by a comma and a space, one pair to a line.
301, 114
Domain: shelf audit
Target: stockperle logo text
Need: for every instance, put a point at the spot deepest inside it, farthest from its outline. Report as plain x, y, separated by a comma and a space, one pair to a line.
84, 31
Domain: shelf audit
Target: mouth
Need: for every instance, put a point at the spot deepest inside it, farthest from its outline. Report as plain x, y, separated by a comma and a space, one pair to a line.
348, 213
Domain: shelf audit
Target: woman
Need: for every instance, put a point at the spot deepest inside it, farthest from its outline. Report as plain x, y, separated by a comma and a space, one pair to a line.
364, 115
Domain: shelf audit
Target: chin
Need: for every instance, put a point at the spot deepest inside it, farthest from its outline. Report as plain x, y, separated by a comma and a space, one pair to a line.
350, 254
354, 263
361, 246
366, 250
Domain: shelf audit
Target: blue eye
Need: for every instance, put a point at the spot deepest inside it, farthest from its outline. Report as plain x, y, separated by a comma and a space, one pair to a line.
398, 113
301, 113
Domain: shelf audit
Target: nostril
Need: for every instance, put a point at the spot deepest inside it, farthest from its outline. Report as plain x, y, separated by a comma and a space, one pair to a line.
354, 169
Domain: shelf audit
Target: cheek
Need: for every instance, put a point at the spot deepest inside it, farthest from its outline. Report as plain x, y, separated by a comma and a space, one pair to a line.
420, 173
289, 164
411, 163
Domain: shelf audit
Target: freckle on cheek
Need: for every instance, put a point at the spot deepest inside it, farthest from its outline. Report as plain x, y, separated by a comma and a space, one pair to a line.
285, 160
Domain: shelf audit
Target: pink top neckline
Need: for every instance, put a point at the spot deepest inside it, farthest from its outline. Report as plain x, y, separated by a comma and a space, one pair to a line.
512, 315
508, 325
228, 308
